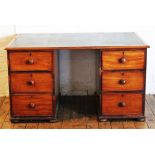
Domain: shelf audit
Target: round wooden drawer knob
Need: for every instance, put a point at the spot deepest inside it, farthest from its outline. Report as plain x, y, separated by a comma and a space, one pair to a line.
122, 81
31, 105
122, 104
122, 60
30, 61
30, 83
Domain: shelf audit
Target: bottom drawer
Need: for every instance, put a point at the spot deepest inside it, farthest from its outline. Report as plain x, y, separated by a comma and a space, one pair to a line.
32, 105
122, 104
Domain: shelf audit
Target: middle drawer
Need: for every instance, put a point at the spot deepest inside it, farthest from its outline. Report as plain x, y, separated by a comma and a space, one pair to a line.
31, 82
123, 81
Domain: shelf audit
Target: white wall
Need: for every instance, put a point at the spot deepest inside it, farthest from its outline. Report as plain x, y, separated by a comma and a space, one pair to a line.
6, 30
78, 72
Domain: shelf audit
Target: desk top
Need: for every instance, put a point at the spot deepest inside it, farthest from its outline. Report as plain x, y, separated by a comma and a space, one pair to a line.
77, 41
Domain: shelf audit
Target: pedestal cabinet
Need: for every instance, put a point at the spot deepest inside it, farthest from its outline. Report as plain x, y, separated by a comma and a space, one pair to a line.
123, 79
32, 85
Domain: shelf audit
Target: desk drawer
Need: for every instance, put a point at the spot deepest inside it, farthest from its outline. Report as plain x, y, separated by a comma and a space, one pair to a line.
32, 105
31, 82
123, 81
31, 61
122, 104
117, 60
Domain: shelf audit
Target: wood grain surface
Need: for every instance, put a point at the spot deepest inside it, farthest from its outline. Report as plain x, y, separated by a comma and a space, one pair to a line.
41, 82
134, 80
32, 105
111, 60
31, 61
132, 104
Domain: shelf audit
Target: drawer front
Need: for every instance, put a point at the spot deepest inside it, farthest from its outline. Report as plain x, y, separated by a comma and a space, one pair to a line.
31, 61
122, 104
123, 81
117, 60
32, 105
31, 82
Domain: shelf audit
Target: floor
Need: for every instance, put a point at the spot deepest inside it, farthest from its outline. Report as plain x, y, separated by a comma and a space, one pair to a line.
79, 113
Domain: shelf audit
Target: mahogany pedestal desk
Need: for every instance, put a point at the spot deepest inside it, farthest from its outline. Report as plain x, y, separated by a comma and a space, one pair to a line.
34, 76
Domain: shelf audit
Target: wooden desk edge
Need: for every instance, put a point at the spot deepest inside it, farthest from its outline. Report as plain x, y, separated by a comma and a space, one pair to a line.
77, 48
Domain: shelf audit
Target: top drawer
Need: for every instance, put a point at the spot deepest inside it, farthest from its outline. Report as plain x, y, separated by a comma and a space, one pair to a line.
117, 60
31, 61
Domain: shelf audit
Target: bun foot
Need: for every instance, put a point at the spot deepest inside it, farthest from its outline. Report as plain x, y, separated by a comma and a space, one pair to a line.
140, 119
14, 120
103, 120
53, 121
